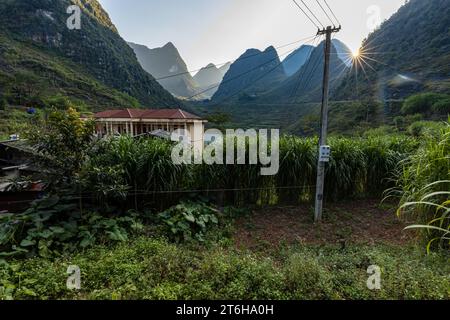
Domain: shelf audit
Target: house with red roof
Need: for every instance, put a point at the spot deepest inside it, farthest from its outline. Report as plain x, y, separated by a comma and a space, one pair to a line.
136, 122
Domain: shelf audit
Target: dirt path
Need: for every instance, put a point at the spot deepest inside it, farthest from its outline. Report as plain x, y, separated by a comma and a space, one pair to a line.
361, 221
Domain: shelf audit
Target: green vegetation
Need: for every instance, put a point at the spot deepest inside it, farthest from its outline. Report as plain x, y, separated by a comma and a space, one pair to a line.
26, 85
42, 58
188, 221
405, 63
427, 103
63, 141
122, 211
55, 225
349, 118
425, 185
154, 269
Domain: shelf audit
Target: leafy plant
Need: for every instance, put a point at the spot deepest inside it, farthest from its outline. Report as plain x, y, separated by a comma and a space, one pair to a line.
189, 221
54, 225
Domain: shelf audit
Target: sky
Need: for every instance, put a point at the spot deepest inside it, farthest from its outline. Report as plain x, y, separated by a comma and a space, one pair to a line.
218, 31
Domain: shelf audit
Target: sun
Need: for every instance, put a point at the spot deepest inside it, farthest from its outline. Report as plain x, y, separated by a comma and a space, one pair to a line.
356, 53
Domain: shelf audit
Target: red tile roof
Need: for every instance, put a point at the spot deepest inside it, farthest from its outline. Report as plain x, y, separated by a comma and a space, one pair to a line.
146, 114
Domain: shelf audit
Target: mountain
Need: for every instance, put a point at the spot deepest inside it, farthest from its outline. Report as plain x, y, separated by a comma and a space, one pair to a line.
224, 69
407, 54
294, 61
163, 63
252, 74
306, 84
40, 57
209, 77
343, 51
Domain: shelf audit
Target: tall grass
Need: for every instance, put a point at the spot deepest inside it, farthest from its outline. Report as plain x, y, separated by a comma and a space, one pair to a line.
358, 168
425, 186
143, 166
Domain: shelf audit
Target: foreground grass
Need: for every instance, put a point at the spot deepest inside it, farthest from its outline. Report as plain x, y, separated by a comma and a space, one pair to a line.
148, 268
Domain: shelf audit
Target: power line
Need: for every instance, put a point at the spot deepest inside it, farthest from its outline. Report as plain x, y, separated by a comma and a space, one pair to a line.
242, 74
224, 63
255, 81
307, 7
310, 74
261, 77
303, 69
303, 82
331, 10
310, 19
325, 12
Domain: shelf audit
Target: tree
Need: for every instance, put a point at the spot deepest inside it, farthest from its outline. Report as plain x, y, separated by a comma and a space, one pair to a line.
62, 142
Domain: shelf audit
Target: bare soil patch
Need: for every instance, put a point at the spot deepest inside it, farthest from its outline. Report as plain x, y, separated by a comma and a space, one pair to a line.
354, 222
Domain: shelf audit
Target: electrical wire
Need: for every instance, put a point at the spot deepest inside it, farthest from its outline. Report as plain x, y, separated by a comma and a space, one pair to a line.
325, 13
337, 20
303, 69
310, 19
224, 63
307, 7
242, 74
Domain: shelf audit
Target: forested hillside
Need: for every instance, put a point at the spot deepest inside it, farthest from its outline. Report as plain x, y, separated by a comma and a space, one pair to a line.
40, 58
409, 53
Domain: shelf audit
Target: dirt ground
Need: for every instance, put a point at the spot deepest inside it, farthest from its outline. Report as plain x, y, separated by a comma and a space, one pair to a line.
360, 222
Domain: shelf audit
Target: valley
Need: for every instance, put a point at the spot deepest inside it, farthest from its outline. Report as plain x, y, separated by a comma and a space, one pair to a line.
112, 187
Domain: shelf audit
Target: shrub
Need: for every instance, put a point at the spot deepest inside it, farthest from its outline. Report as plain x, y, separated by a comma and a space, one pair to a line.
306, 278
62, 143
189, 221
422, 103
54, 225
442, 107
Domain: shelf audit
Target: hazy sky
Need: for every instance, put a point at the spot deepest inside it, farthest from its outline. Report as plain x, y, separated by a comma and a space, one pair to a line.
217, 31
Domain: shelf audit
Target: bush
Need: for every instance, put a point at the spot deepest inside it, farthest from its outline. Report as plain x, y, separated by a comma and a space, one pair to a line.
306, 278
442, 107
189, 221
421, 128
54, 225
422, 103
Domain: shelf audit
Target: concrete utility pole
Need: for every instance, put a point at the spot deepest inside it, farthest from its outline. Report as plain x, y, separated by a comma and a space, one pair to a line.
324, 150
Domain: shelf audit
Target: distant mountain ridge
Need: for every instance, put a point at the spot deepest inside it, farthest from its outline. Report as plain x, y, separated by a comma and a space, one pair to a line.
306, 84
168, 67
294, 61
92, 65
343, 51
253, 73
210, 77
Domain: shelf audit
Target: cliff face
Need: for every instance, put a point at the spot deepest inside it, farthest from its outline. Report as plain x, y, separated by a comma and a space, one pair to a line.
167, 65
253, 73
74, 62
